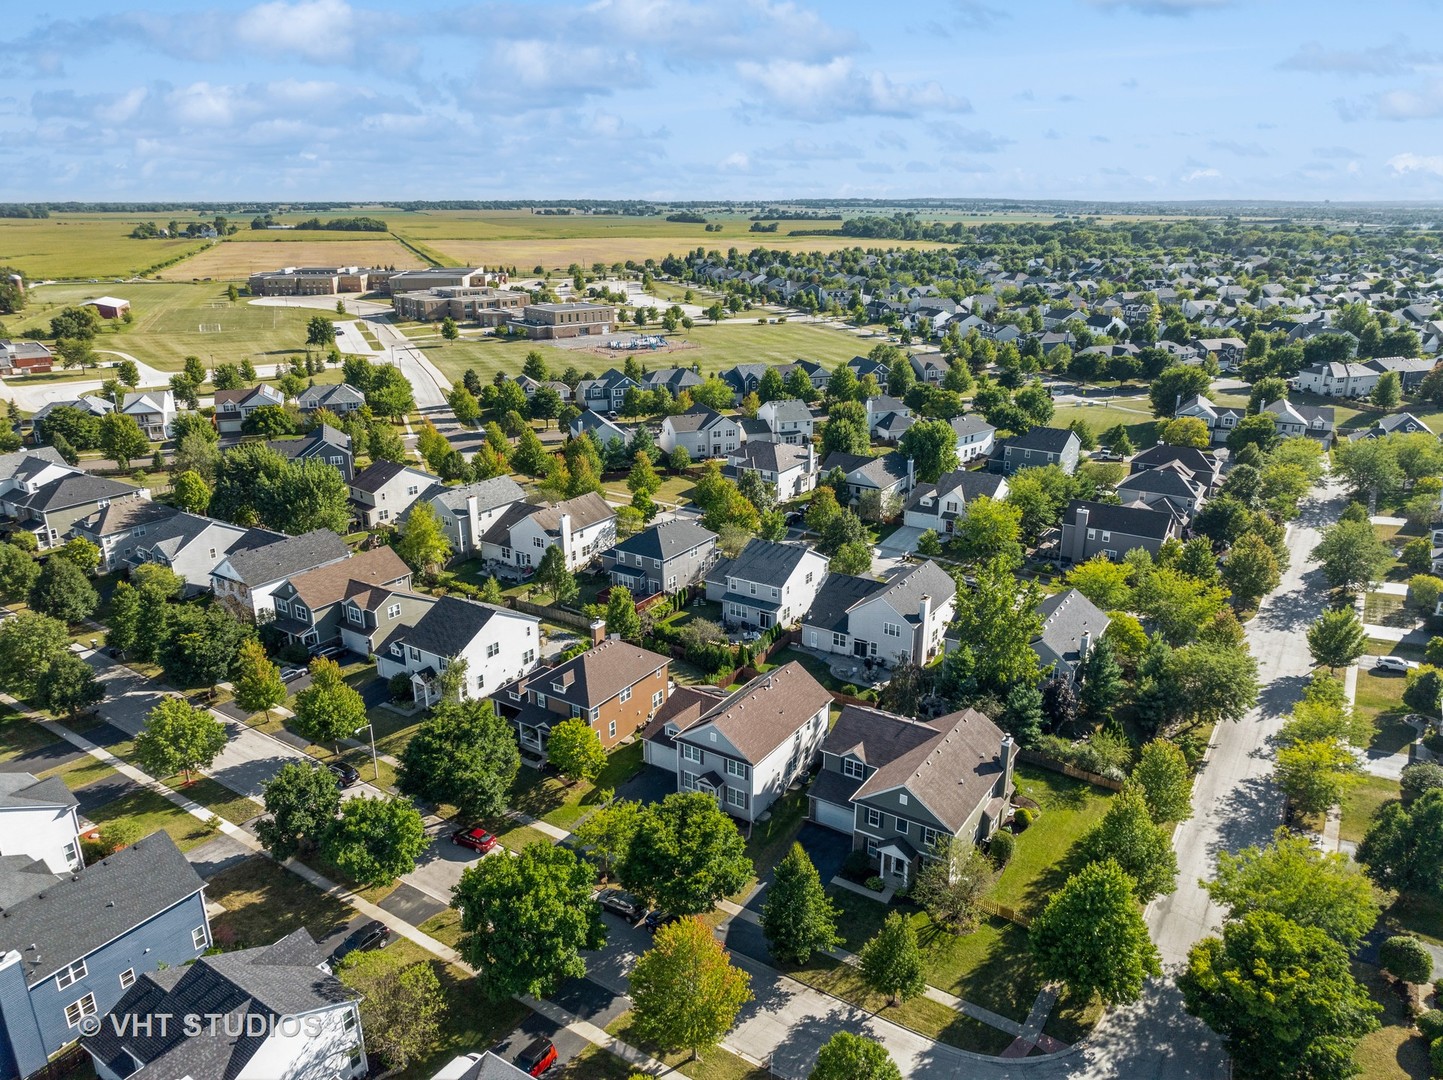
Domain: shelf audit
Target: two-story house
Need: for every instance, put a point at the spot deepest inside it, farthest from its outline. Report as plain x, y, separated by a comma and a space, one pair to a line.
72, 944
312, 606
325, 443
582, 528
290, 1017
1041, 446
48, 498
497, 644
601, 430
897, 785
975, 437
614, 687
898, 621
788, 421
133, 533
232, 407
789, 470
664, 558
339, 399
1393, 424
941, 505
1172, 489
153, 410
383, 491
888, 418
606, 393
930, 368
703, 432
769, 584
466, 512
1071, 625
1294, 420
1094, 528
39, 821
246, 580
744, 379
890, 477
747, 748
1201, 465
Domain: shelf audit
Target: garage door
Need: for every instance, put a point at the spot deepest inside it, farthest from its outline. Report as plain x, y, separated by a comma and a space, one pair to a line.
832, 816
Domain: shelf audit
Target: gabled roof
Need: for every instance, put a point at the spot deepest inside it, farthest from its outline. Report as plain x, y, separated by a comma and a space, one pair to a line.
584, 510
971, 424
667, 540
769, 562
489, 494
325, 435
75, 489
765, 713
22, 791
904, 591
323, 397
287, 556
450, 625
1198, 462
836, 598
879, 472
380, 473
1066, 618
331, 584
697, 418
771, 456
788, 409
1130, 520
160, 401
598, 674
1050, 440
118, 517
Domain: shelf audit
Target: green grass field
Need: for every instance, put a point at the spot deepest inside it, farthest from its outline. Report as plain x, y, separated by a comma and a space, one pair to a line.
1039, 866
84, 246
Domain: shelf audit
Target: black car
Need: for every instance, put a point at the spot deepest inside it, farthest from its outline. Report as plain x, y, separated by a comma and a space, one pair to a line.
620, 903
655, 920
365, 938
346, 775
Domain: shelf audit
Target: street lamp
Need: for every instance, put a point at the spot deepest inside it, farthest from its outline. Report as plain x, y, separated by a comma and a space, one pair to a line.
375, 761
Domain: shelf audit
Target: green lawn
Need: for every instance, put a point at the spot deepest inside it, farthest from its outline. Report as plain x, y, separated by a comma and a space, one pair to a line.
1379, 701
19, 736
264, 901
215, 796
1133, 413
1417, 913
1395, 1051
83, 770
151, 812
1361, 803
1388, 609
553, 800
445, 927
86, 246
716, 1064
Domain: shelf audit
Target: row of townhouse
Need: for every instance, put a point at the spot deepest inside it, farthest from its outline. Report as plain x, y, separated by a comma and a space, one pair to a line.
1357, 378
1291, 419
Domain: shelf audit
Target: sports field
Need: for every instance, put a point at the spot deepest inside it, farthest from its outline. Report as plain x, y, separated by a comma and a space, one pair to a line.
232, 261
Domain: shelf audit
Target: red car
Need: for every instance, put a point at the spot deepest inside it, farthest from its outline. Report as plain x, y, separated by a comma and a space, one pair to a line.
538, 1057
475, 838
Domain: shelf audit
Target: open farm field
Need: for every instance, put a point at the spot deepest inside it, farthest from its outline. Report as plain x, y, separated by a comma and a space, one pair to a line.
84, 246
268, 250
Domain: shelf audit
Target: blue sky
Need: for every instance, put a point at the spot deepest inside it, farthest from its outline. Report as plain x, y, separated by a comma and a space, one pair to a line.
353, 99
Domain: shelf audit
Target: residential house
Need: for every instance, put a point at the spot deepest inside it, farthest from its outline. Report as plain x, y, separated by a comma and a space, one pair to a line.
72, 944
340, 399
136, 532
901, 620
890, 476
888, 418
1220, 419
246, 580
703, 432
817, 375
1071, 625
975, 437
607, 393
771, 583
312, 607
1039, 447
929, 367
41, 494
1172, 489
1202, 465
295, 1019
324, 443
1411, 371
383, 491
788, 470
39, 821
153, 410
744, 379
1094, 528
483, 1065
497, 644
1338, 379
664, 558
941, 505
614, 686
600, 428
1293, 420
674, 380
94, 405
233, 407
468, 511
1228, 351
747, 748
897, 785
1393, 424
788, 420
862, 366
582, 528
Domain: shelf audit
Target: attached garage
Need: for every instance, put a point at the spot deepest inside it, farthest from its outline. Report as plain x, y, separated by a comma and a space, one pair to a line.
831, 815
830, 801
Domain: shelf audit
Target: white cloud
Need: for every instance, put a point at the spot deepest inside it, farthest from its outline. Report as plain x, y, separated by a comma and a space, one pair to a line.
317, 29
1421, 104
1403, 164
836, 89
1199, 174
1388, 59
1165, 7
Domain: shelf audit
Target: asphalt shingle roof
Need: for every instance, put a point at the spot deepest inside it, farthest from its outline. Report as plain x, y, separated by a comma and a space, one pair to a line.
448, 626
667, 540
287, 556
598, 674
764, 713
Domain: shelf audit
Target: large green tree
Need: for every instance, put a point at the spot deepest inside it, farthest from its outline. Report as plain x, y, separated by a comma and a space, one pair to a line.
854, 1057
201, 644
330, 709
996, 622
798, 917
1164, 780
68, 686
1337, 638
258, 684
178, 737
465, 755
574, 747
63, 591
375, 841
29, 644
402, 1005
1315, 774
422, 543
1403, 847
891, 962
932, 446
121, 439
301, 802
1128, 836
1351, 555
686, 855
685, 992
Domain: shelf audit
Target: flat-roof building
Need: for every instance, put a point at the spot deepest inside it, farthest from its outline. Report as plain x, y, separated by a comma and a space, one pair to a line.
318, 280
464, 303
548, 321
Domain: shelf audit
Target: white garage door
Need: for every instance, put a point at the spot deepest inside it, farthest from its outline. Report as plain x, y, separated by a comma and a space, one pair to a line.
833, 816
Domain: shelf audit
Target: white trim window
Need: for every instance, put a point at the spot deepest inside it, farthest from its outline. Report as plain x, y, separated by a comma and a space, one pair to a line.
740, 769
691, 753
737, 797
625, 695
891, 629
853, 769
71, 975
873, 817
198, 937
611, 730
77, 1011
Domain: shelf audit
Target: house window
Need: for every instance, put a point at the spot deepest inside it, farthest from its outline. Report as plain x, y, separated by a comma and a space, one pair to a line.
1092, 534
891, 629
394, 611
871, 848
737, 797
902, 798
690, 753
354, 615
79, 1010
127, 978
1106, 537
541, 701
537, 541
349, 1022
529, 656
688, 781
493, 649
853, 769
480, 681
626, 695
657, 698
611, 730
874, 818
809, 578
395, 650
282, 607
740, 769
72, 853
74, 973
198, 938
929, 836
903, 826
414, 652
839, 640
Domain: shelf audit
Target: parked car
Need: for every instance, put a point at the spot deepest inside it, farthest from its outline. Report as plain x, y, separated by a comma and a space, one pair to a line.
476, 838
346, 775
621, 903
365, 938
655, 920
290, 674
539, 1056
1394, 663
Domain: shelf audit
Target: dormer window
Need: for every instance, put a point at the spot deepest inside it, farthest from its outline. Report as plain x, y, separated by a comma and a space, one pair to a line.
853, 769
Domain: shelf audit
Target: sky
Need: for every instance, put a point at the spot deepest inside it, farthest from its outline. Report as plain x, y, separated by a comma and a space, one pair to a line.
723, 99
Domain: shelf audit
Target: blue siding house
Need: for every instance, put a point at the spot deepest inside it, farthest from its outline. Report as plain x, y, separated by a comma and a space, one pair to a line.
72, 944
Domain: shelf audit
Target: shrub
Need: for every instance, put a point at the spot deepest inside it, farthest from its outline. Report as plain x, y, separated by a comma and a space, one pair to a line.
849, 689
857, 866
1435, 1056
1404, 957
1434, 742
399, 687
1419, 777
1431, 1024
1021, 819
1433, 651
1000, 848
875, 883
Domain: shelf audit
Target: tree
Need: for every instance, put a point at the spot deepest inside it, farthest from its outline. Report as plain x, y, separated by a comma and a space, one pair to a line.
891, 962
1314, 775
81, 552
621, 615
29, 643
1282, 996
1102, 682
402, 1005
606, 833
1419, 777
271, 421
686, 855
258, 684
951, 883
1388, 390
1104, 582
67, 686
713, 393
1292, 878
375, 841
464, 754
1251, 570
1175, 385
554, 578
574, 747
301, 801
18, 571
1128, 836
643, 477
530, 457
121, 439
1352, 556
1337, 638
1022, 714
798, 917
1370, 467
1091, 936
199, 645
526, 920
1403, 847
1164, 780
191, 492
845, 431
932, 445
996, 623
1423, 688
684, 989
854, 1057
320, 331
422, 542
329, 710
178, 737
1405, 958
854, 557
1259, 429
1185, 431
63, 592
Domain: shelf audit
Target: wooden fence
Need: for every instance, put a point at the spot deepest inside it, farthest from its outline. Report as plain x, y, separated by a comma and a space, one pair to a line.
1002, 911
1032, 757
551, 614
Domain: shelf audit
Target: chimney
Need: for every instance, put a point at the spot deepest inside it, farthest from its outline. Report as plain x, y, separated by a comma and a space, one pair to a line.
1007, 757
566, 539
924, 612
474, 517
598, 631
1084, 646
811, 459
911, 474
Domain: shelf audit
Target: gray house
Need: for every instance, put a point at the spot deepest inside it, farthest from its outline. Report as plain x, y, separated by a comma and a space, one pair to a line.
665, 557
769, 583
466, 512
890, 476
339, 399
1041, 446
383, 491
1094, 528
895, 785
132, 533
312, 608
246, 580
324, 443
1071, 624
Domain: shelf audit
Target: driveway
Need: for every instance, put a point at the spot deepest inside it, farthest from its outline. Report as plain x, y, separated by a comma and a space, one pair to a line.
901, 542
442, 863
827, 850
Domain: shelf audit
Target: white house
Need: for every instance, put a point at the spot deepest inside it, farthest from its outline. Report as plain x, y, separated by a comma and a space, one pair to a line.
770, 583
246, 580
468, 511
153, 410
939, 506
383, 492
789, 470
898, 621
975, 437
39, 819
582, 527
788, 420
497, 644
704, 433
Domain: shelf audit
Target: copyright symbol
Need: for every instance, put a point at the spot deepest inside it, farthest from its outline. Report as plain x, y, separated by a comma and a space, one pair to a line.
89, 1025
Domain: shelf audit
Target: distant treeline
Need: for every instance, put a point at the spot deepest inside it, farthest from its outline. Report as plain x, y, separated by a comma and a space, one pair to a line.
686, 217
771, 213
345, 224
22, 210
